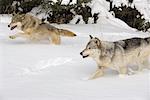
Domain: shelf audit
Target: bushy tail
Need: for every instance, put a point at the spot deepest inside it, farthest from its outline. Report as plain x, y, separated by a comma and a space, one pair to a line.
64, 32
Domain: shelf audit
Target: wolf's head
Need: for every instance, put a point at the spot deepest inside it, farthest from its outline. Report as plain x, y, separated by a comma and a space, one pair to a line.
16, 21
92, 48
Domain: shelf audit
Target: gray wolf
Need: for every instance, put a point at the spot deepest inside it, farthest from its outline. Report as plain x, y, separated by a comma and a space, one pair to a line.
118, 55
34, 29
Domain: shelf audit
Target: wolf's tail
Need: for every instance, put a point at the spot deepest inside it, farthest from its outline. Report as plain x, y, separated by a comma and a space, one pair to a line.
68, 33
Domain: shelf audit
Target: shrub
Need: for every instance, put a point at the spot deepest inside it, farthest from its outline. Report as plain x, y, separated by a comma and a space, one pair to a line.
10, 6
5, 6
64, 13
132, 17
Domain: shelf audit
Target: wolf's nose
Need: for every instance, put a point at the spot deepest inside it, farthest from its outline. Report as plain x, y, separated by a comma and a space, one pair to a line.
80, 53
8, 25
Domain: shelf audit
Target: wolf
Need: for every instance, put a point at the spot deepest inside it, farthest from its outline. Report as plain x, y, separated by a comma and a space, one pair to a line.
118, 55
35, 29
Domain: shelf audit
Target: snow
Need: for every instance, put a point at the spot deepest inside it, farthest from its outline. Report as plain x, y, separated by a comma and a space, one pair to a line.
42, 71
5, 18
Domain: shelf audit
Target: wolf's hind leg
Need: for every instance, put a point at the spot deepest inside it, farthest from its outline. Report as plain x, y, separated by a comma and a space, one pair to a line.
55, 38
141, 65
131, 71
146, 64
97, 74
122, 71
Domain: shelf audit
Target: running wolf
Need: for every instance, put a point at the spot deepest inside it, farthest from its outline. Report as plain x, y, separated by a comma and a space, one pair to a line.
34, 29
118, 55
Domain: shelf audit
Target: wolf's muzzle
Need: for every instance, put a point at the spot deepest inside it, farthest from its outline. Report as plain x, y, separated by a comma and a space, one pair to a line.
13, 27
81, 53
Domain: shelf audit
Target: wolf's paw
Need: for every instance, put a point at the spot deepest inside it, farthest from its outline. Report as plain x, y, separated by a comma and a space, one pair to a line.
122, 75
12, 37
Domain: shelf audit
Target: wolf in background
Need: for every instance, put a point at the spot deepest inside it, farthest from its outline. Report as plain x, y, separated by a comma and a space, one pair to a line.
118, 55
34, 29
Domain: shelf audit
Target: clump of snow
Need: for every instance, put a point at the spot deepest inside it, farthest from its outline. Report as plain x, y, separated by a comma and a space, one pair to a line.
38, 12
119, 2
144, 7
102, 7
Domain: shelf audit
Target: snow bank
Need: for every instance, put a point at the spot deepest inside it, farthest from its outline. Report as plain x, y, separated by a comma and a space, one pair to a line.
102, 7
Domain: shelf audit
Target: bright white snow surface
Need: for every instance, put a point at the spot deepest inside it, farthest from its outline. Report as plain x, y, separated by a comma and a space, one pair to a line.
42, 71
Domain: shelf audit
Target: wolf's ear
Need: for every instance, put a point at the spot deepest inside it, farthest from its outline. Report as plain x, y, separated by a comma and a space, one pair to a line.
98, 41
91, 37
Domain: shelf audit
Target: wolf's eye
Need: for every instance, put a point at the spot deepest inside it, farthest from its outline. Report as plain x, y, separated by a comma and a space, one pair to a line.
96, 42
89, 47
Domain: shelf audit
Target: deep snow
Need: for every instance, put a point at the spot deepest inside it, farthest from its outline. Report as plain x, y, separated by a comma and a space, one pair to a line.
41, 71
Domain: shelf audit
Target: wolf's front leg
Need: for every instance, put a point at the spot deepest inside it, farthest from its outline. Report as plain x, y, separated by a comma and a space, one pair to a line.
99, 72
55, 38
19, 35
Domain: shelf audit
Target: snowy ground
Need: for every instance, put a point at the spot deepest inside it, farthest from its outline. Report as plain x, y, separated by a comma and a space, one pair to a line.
41, 71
